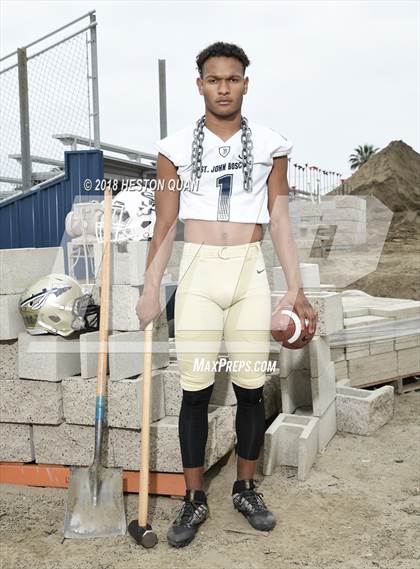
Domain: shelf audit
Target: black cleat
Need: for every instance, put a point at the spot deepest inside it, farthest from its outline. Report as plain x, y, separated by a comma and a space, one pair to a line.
193, 513
250, 503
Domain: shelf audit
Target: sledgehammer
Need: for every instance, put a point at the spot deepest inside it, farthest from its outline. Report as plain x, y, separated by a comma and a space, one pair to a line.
139, 529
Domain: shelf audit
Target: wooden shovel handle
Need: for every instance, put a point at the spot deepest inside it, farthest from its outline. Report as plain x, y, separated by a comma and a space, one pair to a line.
105, 287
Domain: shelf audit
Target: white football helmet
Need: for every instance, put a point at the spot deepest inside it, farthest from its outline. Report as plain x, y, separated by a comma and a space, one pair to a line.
133, 216
56, 304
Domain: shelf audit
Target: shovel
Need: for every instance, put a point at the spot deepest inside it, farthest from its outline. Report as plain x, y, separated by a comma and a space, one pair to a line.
95, 505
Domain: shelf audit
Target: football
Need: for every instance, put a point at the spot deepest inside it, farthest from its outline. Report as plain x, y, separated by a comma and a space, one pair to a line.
292, 337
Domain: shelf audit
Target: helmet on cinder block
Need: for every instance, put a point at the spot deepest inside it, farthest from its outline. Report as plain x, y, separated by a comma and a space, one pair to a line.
56, 304
133, 216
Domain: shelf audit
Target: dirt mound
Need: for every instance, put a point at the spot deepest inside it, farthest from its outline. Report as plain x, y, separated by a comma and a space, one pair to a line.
392, 176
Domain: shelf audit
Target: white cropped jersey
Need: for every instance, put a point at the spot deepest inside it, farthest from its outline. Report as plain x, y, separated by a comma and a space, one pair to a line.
220, 195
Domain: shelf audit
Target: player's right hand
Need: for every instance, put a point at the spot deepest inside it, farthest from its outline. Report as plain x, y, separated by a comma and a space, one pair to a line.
148, 308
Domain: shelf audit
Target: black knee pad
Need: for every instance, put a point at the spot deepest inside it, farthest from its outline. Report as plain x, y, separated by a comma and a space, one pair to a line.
197, 398
250, 421
193, 426
248, 396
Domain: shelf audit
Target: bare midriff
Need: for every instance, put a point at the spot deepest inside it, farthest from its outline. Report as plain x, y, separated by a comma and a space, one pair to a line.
221, 232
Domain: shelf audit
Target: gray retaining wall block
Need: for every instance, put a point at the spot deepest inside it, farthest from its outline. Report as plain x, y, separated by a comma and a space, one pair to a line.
48, 357
29, 401
16, 443
291, 440
8, 359
11, 321
21, 267
364, 411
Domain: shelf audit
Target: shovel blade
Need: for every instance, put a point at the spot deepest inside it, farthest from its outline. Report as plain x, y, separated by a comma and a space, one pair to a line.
95, 512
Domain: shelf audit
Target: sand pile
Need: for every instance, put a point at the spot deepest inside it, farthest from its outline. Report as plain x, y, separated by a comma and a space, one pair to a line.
393, 177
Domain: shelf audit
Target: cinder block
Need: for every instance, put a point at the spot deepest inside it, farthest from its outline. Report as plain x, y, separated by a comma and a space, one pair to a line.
79, 398
291, 440
225, 438
295, 390
408, 309
329, 308
8, 359
319, 355
16, 443
337, 354
363, 321
346, 202
340, 214
165, 451
327, 305
291, 360
323, 390
352, 353
408, 361
300, 390
11, 321
89, 348
271, 395
363, 411
354, 311
341, 370
381, 347
126, 351
27, 401
371, 368
123, 315
407, 342
172, 389
47, 357
327, 425
21, 267
309, 273
128, 262
71, 445
125, 401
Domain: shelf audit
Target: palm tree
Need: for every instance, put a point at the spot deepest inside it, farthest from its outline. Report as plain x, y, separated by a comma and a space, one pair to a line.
361, 156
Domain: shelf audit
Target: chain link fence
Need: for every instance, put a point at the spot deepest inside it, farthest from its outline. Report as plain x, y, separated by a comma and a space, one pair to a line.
44, 96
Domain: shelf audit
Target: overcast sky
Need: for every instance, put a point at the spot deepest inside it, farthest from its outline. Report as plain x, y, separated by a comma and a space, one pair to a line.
328, 75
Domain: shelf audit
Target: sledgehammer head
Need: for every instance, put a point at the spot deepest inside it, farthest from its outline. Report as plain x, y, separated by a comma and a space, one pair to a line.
143, 535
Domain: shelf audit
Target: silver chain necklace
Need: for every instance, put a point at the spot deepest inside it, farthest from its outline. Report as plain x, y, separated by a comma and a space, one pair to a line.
197, 154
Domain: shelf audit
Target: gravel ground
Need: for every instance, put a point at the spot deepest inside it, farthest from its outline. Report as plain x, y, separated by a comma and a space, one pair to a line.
359, 509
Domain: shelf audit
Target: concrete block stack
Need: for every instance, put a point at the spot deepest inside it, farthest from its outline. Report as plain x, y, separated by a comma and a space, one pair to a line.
308, 391
374, 360
348, 213
48, 383
339, 221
